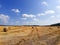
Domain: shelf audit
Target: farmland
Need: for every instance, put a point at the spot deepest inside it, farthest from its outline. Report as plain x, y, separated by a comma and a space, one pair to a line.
30, 35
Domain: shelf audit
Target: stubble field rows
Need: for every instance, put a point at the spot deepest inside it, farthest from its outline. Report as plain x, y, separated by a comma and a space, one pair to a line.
30, 35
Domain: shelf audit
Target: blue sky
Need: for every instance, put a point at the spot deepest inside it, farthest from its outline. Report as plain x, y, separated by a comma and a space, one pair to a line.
29, 12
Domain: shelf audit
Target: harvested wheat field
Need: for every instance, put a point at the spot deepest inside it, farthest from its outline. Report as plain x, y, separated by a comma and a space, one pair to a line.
30, 35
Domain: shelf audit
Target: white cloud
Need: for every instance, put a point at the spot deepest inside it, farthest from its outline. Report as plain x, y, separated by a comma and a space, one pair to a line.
41, 14
28, 15
46, 13
58, 7
31, 23
4, 18
52, 16
15, 10
35, 19
24, 18
45, 3
49, 12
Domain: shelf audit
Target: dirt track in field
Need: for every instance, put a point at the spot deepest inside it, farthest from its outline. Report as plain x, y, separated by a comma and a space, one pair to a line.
30, 35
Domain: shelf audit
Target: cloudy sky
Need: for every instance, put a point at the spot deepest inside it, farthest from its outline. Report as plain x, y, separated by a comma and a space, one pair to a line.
29, 12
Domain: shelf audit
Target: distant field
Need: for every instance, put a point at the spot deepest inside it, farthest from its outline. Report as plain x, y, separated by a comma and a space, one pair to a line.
30, 35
